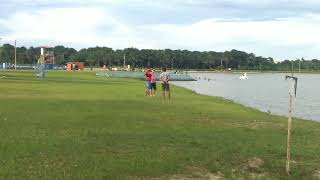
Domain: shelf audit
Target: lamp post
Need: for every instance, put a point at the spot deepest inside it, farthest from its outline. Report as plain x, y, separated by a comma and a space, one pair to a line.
172, 62
15, 54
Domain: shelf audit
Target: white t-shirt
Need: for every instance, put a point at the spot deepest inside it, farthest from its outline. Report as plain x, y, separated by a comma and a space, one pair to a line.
164, 77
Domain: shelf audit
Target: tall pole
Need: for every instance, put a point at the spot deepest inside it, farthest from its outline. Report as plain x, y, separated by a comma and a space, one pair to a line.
299, 66
289, 135
292, 91
260, 68
172, 63
53, 57
15, 54
0, 46
292, 67
124, 60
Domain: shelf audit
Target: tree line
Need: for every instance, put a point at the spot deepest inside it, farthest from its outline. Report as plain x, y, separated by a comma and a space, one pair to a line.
176, 59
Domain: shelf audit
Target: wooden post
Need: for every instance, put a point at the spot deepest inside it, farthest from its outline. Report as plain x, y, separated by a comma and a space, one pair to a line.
15, 54
292, 91
289, 136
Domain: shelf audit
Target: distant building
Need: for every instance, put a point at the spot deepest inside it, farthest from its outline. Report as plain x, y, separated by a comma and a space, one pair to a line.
75, 66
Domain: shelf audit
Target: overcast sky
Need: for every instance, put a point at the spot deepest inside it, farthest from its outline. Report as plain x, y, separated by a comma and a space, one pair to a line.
276, 28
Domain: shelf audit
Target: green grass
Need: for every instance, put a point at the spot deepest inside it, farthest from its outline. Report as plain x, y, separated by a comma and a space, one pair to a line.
74, 125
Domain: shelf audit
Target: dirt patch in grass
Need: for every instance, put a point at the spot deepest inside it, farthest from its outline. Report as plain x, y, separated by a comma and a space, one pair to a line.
251, 169
257, 175
190, 173
255, 124
260, 124
255, 163
196, 173
143, 178
317, 175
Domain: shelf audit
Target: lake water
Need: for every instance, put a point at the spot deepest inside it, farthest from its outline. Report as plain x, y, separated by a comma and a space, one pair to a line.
265, 91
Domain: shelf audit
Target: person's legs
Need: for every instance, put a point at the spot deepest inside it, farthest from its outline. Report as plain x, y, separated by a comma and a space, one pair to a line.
153, 89
163, 91
149, 92
148, 88
168, 90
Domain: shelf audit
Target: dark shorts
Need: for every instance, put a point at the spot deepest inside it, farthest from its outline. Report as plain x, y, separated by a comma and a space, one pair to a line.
165, 87
148, 84
154, 86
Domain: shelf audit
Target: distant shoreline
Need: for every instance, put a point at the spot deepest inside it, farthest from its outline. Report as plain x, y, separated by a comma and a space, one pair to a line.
250, 71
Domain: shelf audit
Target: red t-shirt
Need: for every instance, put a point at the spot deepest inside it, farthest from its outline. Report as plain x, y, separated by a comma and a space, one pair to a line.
148, 75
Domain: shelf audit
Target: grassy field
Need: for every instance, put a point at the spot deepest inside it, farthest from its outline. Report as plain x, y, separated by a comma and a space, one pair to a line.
74, 125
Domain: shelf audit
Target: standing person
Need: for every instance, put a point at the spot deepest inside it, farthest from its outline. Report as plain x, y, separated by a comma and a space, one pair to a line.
73, 66
165, 78
153, 83
148, 82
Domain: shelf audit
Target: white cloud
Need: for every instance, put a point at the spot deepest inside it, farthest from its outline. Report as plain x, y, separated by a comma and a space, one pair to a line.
80, 26
59, 24
91, 26
282, 32
247, 35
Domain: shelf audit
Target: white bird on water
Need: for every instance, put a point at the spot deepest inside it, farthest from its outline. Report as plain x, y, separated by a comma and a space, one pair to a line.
243, 77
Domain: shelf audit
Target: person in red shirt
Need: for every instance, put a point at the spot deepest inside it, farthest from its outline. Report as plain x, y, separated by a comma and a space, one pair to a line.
148, 82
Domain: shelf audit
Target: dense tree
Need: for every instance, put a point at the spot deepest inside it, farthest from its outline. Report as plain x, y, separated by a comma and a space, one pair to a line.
7, 53
178, 59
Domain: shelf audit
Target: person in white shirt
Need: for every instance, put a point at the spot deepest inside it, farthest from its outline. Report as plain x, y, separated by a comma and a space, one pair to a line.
165, 78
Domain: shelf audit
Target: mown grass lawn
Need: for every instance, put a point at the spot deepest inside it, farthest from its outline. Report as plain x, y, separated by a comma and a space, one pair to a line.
74, 125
